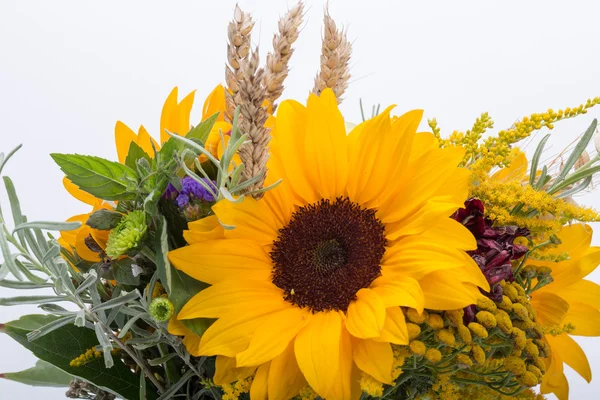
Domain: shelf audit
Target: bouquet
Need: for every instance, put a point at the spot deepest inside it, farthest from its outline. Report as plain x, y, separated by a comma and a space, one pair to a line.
274, 250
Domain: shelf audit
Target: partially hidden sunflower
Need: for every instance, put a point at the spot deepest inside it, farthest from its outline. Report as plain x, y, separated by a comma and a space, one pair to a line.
570, 305
175, 118
307, 287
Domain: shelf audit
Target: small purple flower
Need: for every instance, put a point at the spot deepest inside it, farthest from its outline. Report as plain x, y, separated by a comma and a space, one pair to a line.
192, 190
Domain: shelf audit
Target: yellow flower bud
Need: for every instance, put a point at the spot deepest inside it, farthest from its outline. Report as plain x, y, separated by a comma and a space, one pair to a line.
464, 361
527, 379
531, 349
370, 385
519, 338
505, 304
486, 319
478, 354
503, 321
478, 330
465, 334
413, 316
435, 321
455, 317
515, 365
486, 304
417, 347
521, 311
446, 337
414, 330
536, 371
433, 355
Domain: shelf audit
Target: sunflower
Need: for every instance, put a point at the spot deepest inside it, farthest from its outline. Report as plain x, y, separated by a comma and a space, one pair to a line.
570, 305
308, 286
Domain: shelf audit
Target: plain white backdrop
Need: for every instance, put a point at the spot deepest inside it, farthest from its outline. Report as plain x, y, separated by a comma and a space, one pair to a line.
70, 69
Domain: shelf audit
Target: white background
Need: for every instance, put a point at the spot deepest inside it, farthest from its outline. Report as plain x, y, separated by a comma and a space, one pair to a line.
70, 69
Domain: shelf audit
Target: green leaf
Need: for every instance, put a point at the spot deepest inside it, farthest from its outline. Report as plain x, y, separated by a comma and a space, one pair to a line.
123, 272
135, 153
102, 178
183, 288
43, 374
4, 159
163, 266
577, 151
202, 130
19, 300
63, 345
48, 225
104, 220
536, 158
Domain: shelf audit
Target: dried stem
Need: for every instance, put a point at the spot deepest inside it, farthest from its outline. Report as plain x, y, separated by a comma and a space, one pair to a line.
335, 58
277, 61
238, 49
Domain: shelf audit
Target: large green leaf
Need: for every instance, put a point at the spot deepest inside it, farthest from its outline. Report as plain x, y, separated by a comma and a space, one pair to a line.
42, 374
104, 220
61, 346
202, 130
135, 153
102, 178
183, 288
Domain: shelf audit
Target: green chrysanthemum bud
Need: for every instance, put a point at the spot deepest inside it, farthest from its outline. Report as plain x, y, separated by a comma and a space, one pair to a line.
161, 309
127, 235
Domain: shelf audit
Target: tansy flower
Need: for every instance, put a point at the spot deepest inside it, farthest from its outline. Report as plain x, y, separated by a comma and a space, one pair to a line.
569, 301
307, 287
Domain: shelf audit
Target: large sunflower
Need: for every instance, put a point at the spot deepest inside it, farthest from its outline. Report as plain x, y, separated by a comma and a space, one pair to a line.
570, 305
307, 287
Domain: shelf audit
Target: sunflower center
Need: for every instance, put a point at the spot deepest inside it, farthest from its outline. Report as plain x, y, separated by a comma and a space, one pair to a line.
328, 252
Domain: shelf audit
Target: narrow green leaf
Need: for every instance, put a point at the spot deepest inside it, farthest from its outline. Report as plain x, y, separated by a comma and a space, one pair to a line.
4, 159
536, 159
201, 131
161, 360
163, 267
104, 220
53, 348
24, 285
168, 394
135, 153
18, 300
9, 261
543, 178
102, 178
51, 327
573, 191
43, 374
117, 301
577, 151
48, 225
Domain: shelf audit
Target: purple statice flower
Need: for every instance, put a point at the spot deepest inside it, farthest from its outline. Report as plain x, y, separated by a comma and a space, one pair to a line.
495, 245
170, 193
192, 190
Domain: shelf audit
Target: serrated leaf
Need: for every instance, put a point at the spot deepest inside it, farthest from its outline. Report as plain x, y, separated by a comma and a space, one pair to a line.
101, 178
134, 154
104, 220
51, 348
202, 130
43, 374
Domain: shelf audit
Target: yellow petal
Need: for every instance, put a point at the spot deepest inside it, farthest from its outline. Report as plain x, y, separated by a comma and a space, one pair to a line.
216, 260
80, 194
227, 297
184, 109
326, 146
169, 108
285, 378
517, 169
231, 335
585, 318
366, 315
550, 308
570, 352
259, 388
451, 233
578, 269
215, 103
586, 292
343, 387
227, 372
82, 249
146, 142
443, 291
554, 380
123, 138
400, 291
251, 218
204, 229
273, 336
317, 349
394, 328
374, 358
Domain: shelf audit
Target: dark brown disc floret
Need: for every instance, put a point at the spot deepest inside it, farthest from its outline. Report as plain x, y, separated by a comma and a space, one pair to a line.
328, 252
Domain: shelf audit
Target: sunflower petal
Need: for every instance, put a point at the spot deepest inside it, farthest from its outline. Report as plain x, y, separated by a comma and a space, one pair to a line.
400, 291
273, 336
260, 383
317, 349
252, 219
366, 315
585, 319
394, 328
374, 358
343, 388
570, 352
285, 378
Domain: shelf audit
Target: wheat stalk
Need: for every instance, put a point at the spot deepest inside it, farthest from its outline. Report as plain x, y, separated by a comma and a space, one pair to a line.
238, 49
335, 58
277, 61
